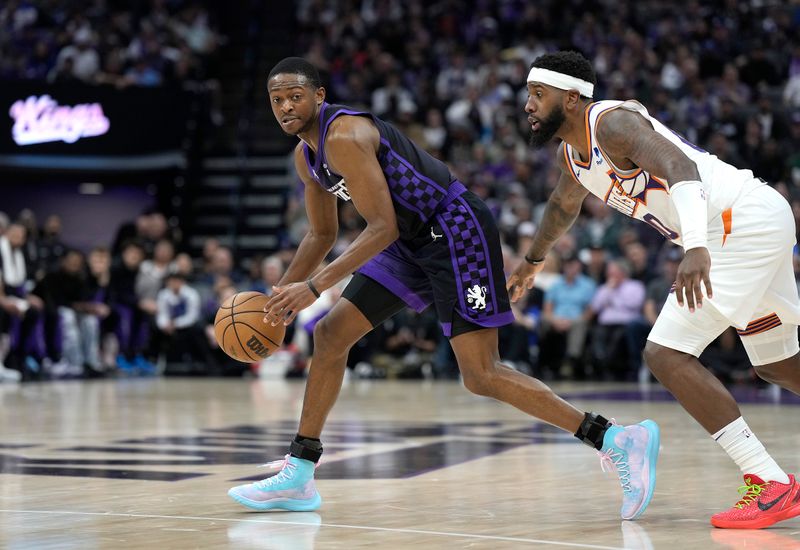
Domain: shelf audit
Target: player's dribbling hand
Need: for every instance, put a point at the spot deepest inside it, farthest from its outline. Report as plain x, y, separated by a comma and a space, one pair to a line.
286, 302
693, 271
521, 279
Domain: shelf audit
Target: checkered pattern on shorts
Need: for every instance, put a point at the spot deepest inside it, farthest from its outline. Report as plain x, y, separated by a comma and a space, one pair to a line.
471, 256
405, 183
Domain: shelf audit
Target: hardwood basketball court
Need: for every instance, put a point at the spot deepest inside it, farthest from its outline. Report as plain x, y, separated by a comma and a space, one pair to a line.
146, 463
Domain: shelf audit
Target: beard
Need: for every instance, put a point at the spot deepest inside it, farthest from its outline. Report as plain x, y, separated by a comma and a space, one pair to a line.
548, 127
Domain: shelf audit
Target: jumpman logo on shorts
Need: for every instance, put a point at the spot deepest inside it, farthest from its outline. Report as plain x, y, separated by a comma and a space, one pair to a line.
434, 236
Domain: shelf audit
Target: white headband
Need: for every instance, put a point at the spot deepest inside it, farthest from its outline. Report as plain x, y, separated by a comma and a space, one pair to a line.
561, 81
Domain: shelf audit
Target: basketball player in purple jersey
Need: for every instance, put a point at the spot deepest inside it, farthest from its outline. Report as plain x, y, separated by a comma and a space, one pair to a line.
427, 241
737, 234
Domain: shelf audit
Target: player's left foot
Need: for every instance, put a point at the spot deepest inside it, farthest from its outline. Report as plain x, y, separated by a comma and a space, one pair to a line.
633, 452
290, 489
762, 504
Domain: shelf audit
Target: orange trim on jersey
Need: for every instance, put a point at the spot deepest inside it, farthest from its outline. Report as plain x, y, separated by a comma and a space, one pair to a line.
726, 223
588, 137
760, 325
571, 168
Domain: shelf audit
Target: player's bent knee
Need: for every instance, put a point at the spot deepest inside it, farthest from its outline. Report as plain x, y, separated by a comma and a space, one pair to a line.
660, 359
779, 371
480, 381
653, 355
331, 336
769, 372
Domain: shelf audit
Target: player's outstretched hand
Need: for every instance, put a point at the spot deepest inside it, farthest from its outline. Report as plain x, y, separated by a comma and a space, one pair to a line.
522, 279
286, 302
693, 271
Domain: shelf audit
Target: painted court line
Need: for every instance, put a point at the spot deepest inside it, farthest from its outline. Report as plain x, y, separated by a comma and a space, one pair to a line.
333, 525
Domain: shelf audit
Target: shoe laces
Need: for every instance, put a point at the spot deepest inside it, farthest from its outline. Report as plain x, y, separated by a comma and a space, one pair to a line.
749, 492
286, 472
612, 460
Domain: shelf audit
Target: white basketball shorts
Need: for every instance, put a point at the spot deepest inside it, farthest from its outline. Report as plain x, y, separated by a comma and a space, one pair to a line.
752, 280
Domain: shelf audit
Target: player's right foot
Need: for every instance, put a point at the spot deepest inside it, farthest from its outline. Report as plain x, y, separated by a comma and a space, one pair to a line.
762, 504
290, 489
633, 452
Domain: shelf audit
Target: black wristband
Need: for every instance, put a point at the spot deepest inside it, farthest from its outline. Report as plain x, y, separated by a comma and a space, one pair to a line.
532, 261
312, 288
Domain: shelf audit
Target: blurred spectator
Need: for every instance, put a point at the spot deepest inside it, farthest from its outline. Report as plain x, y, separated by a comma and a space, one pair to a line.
272, 270
595, 262
408, 343
67, 294
27, 219
21, 325
50, 247
180, 329
638, 261
151, 275
107, 42
84, 61
221, 270
185, 266
565, 320
146, 229
616, 304
133, 324
392, 99
656, 294
98, 282
658, 289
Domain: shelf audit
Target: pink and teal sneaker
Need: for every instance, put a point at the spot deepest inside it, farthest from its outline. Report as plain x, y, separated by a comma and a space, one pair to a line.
633, 452
292, 488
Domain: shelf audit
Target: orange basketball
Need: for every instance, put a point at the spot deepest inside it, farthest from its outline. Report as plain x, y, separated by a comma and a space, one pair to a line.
240, 329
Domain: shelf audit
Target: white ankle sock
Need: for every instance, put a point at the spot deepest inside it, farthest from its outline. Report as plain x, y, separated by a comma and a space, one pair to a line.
748, 452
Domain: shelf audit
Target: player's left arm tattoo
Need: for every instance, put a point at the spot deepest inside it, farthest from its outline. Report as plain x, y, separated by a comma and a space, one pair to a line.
626, 134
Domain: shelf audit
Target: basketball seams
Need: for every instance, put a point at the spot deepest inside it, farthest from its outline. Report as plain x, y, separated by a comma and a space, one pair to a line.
238, 313
236, 332
239, 341
249, 322
255, 295
224, 332
273, 342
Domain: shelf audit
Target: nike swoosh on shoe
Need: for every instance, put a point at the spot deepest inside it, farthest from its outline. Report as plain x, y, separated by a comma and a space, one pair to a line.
764, 506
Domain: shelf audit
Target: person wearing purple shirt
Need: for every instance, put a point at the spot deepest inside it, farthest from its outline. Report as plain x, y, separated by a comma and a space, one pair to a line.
616, 304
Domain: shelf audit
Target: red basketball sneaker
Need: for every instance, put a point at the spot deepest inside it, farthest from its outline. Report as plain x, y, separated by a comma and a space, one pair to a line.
762, 504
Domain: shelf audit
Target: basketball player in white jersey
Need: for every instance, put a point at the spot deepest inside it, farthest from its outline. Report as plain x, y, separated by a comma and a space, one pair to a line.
737, 233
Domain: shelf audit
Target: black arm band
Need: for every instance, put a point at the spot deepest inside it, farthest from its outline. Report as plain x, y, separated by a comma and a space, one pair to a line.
532, 261
312, 288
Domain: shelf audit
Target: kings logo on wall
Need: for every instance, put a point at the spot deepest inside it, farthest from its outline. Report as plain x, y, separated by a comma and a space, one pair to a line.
40, 119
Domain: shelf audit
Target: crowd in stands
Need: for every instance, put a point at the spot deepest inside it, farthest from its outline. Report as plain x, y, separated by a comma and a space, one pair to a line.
95, 41
451, 75
134, 306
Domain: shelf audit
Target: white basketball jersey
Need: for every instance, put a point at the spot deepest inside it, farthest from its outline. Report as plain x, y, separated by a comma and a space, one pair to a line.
643, 196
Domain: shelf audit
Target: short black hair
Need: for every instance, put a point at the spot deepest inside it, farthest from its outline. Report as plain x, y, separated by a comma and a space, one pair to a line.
297, 65
567, 62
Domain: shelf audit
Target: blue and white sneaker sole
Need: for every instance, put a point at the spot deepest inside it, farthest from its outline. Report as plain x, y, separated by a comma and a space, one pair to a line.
289, 504
653, 446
